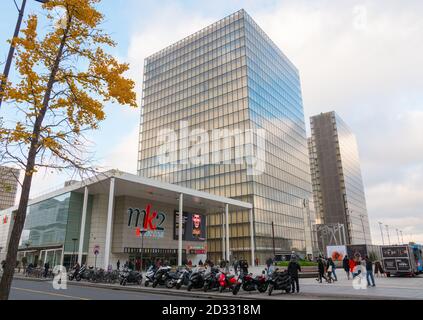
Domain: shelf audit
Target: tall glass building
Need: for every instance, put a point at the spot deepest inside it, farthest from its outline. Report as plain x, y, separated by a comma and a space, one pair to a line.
9, 178
231, 76
336, 174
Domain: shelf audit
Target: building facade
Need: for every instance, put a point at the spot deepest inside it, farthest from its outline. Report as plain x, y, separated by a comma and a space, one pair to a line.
338, 188
231, 77
9, 178
100, 221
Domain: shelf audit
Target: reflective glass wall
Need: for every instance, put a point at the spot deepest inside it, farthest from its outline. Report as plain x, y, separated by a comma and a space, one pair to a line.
230, 76
337, 181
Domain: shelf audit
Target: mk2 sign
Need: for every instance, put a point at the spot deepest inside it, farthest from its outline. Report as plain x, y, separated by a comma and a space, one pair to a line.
149, 220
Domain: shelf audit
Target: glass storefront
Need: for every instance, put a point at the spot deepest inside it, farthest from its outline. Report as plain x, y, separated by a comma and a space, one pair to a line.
54, 223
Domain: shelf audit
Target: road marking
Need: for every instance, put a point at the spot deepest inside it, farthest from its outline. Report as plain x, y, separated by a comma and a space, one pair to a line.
49, 293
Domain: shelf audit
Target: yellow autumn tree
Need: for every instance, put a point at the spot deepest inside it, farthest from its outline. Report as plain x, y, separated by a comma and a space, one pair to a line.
65, 79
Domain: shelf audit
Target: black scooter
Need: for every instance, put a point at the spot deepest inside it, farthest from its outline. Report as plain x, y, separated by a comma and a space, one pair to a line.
149, 276
211, 279
128, 277
161, 276
196, 280
183, 278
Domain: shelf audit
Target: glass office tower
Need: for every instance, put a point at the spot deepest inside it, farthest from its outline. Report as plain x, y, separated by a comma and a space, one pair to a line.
336, 175
8, 186
231, 76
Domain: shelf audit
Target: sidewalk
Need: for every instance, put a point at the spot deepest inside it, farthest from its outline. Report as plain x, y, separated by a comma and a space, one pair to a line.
387, 289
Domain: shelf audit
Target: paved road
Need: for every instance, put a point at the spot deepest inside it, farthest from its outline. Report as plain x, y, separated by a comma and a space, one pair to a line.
34, 290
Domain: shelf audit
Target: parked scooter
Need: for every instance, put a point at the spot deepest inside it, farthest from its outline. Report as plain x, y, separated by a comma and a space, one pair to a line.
172, 279
128, 277
149, 276
280, 281
229, 281
183, 278
211, 279
196, 279
259, 283
161, 275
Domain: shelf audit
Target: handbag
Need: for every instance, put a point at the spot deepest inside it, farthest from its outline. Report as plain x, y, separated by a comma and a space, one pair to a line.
330, 269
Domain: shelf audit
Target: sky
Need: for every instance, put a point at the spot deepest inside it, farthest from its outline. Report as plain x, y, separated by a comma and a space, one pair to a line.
362, 59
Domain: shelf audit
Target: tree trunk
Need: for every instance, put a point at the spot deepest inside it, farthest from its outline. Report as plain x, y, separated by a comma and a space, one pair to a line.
20, 215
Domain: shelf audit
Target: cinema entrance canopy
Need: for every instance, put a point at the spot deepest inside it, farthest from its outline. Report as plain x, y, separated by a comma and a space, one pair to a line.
118, 184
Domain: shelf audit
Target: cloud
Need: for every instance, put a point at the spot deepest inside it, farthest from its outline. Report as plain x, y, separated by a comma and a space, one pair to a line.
365, 62
165, 26
124, 155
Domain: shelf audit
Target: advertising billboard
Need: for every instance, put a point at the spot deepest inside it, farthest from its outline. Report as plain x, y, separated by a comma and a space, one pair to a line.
355, 251
193, 227
337, 253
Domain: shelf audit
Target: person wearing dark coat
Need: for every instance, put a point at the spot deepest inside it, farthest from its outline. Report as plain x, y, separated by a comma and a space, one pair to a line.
369, 271
321, 268
293, 269
346, 266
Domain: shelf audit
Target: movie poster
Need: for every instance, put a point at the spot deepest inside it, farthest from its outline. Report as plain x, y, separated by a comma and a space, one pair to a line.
193, 227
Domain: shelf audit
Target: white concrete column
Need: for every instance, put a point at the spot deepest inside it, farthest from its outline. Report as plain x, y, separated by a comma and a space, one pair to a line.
181, 220
253, 258
227, 233
83, 222
223, 237
108, 246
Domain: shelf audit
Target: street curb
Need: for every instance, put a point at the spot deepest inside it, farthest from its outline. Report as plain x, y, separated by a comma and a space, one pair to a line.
209, 296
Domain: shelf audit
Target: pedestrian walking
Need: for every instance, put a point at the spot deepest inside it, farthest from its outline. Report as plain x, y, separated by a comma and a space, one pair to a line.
269, 262
293, 269
379, 272
46, 269
369, 272
333, 273
329, 270
321, 268
118, 265
346, 266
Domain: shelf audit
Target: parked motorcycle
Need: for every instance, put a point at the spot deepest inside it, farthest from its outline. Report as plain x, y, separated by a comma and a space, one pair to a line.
172, 279
128, 276
72, 274
280, 281
149, 276
259, 283
196, 279
229, 281
161, 275
183, 278
211, 279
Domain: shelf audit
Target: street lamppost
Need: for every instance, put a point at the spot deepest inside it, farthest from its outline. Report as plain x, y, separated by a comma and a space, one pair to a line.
402, 236
12, 48
381, 232
389, 238
74, 249
143, 232
399, 241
